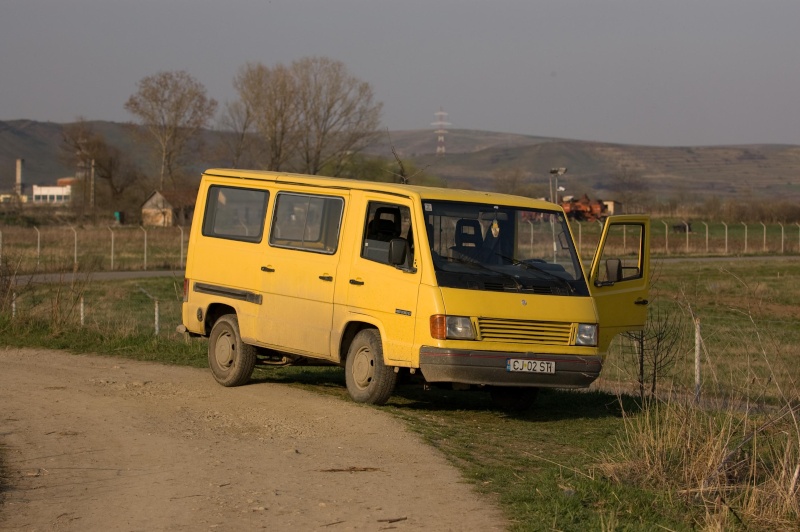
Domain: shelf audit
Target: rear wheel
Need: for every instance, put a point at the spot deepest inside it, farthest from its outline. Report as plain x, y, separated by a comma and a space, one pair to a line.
513, 399
231, 360
368, 379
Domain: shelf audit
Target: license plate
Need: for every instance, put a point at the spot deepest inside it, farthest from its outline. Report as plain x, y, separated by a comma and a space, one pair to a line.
531, 366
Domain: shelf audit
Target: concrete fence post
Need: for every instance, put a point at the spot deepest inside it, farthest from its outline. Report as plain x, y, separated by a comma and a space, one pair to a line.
706, 236
38, 245
74, 247
112, 247
726, 237
145, 246
745, 237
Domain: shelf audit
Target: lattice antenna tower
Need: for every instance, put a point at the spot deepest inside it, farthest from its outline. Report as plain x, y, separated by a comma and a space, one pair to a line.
440, 125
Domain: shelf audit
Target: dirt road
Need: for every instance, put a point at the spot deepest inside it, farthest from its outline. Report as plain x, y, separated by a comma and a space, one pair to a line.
95, 443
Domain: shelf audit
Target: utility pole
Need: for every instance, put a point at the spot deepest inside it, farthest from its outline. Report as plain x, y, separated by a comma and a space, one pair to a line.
555, 172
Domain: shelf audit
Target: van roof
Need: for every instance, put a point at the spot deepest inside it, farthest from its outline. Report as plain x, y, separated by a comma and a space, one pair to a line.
417, 191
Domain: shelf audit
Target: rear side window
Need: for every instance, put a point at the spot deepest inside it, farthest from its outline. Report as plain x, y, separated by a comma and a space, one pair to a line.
235, 213
306, 222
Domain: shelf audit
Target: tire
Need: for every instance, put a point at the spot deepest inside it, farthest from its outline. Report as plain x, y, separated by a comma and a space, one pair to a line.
368, 379
231, 360
513, 399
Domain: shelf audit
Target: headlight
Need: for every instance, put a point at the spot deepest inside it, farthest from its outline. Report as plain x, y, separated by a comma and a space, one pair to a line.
587, 334
452, 327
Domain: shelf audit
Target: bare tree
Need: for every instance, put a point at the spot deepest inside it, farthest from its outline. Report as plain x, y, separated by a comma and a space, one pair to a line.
656, 348
172, 106
338, 113
237, 141
269, 96
86, 150
311, 116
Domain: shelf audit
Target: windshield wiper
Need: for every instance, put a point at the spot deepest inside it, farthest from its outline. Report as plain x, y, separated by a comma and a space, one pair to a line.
529, 266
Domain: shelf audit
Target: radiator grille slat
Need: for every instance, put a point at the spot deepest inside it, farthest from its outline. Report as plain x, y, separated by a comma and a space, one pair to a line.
524, 332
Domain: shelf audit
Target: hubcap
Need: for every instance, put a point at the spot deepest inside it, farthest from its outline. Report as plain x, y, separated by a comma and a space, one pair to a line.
363, 368
224, 350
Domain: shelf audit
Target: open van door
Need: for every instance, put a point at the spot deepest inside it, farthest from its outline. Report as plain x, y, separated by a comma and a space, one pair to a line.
620, 276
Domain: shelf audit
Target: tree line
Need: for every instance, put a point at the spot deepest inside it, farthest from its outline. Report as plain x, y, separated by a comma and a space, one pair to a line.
311, 116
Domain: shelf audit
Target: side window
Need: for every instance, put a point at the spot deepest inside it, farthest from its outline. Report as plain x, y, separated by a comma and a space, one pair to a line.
622, 254
385, 222
305, 222
235, 213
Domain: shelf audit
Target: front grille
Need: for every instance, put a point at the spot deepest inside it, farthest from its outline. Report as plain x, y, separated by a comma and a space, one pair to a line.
524, 332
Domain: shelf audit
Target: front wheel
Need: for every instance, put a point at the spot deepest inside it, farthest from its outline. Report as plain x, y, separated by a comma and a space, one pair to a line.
231, 360
368, 379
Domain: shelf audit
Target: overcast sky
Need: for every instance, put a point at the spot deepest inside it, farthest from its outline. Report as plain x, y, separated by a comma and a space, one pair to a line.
659, 72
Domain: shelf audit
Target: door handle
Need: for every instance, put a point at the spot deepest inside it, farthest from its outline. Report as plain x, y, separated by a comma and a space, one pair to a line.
267, 269
326, 277
640, 301
356, 282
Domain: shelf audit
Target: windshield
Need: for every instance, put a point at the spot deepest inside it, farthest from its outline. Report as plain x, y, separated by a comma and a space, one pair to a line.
502, 248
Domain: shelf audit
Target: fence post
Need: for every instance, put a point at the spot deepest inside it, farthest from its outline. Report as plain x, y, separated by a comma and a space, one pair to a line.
726, 237
745, 237
706, 236
38, 245
624, 239
666, 237
82, 312
686, 226
145, 246
1, 248
782, 237
764, 245
798, 235
74, 247
155, 305
112, 247
13, 305
697, 342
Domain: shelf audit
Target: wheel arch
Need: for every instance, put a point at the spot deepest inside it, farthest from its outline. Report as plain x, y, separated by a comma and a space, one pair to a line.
350, 332
213, 313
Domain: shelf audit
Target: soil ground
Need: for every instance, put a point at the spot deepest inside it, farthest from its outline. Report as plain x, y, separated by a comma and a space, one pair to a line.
99, 443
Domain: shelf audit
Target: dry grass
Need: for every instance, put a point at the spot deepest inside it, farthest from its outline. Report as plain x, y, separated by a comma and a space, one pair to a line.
742, 466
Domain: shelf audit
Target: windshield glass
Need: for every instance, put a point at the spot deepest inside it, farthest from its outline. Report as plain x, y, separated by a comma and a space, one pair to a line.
502, 248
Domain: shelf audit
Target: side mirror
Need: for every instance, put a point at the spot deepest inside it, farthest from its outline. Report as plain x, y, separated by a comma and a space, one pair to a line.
613, 270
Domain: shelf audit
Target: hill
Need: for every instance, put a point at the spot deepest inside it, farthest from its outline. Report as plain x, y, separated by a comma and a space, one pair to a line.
473, 157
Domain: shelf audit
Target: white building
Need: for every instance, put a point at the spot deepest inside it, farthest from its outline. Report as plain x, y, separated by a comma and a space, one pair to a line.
52, 194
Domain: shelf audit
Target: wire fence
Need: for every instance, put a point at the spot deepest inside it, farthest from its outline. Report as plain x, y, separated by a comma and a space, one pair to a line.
129, 248
98, 248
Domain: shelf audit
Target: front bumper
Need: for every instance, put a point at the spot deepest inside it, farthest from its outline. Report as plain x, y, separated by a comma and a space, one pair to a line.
489, 368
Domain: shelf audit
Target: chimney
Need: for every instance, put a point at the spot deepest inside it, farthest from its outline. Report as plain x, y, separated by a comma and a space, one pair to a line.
18, 187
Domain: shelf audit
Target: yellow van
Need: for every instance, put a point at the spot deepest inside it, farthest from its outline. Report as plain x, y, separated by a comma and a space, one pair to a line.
469, 288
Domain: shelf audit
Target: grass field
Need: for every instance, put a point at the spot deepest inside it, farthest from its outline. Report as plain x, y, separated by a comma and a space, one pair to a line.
592, 460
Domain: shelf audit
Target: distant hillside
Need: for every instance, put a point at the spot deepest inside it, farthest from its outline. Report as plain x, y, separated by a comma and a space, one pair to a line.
761, 171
